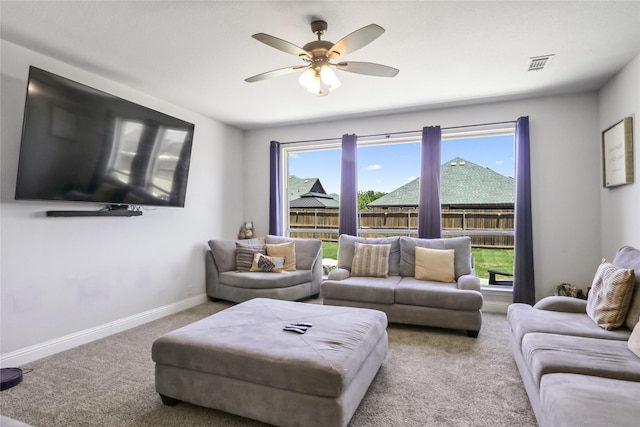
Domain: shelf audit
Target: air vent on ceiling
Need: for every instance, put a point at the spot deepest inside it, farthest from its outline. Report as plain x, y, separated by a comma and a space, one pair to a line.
537, 63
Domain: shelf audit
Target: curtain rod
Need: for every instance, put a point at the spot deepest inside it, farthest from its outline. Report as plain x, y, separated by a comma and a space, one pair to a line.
387, 135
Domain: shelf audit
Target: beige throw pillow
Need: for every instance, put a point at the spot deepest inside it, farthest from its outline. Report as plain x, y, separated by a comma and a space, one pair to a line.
370, 260
435, 264
634, 340
286, 251
610, 295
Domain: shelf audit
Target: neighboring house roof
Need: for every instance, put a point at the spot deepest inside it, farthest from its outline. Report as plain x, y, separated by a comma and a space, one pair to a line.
299, 186
461, 183
314, 200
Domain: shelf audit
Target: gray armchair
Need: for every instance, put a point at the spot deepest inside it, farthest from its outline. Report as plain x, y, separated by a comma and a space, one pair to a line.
225, 282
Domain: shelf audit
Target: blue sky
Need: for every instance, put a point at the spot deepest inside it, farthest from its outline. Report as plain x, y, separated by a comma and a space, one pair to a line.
387, 167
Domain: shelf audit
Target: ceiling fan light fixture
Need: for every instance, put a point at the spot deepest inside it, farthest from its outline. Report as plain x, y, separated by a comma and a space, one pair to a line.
329, 77
319, 82
306, 78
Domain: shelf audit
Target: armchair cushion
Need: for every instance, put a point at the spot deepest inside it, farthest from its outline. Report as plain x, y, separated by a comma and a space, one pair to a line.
224, 251
307, 250
286, 251
245, 254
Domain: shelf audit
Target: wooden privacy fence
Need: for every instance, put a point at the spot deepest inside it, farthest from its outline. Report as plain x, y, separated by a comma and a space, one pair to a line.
323, 224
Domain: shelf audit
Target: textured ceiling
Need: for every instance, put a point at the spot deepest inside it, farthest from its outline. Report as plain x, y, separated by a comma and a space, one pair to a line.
197, 54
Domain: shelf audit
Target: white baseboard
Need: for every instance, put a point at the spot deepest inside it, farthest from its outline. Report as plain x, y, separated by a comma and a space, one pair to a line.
48, 348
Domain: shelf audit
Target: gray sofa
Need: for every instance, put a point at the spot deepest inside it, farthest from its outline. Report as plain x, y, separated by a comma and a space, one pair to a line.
225, 282
575, 372
400, 295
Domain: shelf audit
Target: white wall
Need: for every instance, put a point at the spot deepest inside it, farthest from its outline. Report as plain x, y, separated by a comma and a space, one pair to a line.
620, 206
565, 173
62, 276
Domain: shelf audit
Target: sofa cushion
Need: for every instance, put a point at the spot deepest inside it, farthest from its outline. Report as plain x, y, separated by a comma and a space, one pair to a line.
245, 254
587, 401
370, 260
634, 340
435, 264
610, 295
410, 291
286, 251
525, 319
551, 353
346, 250
628, 257
461, 245
361, 289
307, 250
262, 280
224, 251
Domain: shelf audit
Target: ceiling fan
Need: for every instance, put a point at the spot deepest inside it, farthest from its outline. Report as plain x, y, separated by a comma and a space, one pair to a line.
319, 77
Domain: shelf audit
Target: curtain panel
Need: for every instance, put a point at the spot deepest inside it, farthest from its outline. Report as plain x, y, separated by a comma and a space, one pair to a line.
275, 191
348, 217
429, 211
524, 290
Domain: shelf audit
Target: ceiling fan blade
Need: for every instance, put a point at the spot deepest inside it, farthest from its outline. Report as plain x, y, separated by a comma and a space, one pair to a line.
280, 44
356, 40
368, 68
274, 73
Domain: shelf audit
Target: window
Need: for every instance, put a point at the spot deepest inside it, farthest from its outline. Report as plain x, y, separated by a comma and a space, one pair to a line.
477, 195
388, 183
477, 191
311, 180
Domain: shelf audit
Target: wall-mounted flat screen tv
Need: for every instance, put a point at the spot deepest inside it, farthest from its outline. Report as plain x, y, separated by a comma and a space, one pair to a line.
84, 145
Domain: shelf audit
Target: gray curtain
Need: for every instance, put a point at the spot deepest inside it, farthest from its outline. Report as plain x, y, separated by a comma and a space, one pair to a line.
349, 186
429, 215
523, 278
275, 195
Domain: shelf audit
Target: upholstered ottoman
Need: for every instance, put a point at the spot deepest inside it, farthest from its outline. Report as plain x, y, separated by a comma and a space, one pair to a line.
241, 361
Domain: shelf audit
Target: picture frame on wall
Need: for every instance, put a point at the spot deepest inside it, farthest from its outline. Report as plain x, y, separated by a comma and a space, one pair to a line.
617, 154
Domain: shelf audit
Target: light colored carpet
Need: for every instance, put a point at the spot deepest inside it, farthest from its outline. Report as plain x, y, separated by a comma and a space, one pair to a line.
431, 377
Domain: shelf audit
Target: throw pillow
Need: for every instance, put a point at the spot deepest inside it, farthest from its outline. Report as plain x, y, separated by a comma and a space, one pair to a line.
370, 260
286, 251
435, 264
610, 295
634, 340
267, 264
244, 255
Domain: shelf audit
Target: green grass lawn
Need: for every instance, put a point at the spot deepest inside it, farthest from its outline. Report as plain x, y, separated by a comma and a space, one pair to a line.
485, 259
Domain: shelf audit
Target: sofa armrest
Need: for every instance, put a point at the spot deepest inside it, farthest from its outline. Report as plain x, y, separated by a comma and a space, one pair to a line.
469, 282
338, 274
562, 303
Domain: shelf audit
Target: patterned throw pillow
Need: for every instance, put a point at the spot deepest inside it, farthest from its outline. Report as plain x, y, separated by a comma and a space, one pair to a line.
244, 255
370, 260
435, 264
610, 295
269, 264
286, 251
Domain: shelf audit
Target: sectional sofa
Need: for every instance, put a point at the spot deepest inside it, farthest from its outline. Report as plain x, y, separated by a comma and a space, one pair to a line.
403, 287
578, 372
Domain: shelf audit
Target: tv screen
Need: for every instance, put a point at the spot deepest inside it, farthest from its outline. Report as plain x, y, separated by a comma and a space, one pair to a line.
82, 144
